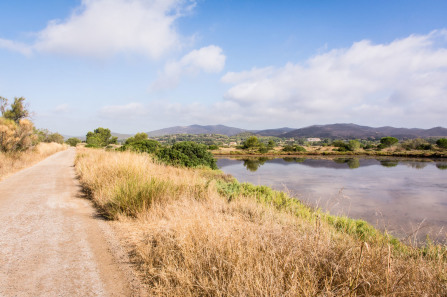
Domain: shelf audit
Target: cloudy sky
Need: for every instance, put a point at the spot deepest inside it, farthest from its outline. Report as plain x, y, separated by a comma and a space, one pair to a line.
141, 65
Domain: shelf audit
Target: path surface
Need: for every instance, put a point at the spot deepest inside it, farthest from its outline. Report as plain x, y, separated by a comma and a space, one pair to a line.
51, 244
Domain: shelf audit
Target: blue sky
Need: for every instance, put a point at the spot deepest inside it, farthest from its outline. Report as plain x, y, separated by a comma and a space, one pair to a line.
141, 65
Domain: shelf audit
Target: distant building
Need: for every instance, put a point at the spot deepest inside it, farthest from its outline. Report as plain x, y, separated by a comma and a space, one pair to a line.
233, 143
313, 139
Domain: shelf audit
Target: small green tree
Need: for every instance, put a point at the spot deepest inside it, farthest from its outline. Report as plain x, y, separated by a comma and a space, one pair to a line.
73, 141
388, 141
143, 146
353, 145
17, 109
55, 137
137, 137
442, 143
100, 137
251, 142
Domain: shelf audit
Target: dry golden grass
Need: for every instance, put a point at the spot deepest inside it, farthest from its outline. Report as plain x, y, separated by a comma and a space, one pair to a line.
188, 240
13, 162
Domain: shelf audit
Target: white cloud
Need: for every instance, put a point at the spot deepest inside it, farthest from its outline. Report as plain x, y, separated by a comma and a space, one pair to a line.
103, 28
209, 59
404, 81
62, 108
124, 111
16, 47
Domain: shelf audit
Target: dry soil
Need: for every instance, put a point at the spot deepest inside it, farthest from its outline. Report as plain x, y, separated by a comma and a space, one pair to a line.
52, 243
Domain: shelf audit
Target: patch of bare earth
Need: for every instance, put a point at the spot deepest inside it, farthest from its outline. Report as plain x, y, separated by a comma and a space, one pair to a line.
52, 243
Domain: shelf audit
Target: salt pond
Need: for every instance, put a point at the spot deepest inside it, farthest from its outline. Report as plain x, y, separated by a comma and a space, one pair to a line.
402, 196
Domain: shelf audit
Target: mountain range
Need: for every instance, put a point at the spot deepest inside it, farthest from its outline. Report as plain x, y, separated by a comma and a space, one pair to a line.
351, 131
333, 131
197, 129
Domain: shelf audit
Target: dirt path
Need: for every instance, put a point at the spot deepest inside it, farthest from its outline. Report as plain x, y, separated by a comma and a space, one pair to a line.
51, 244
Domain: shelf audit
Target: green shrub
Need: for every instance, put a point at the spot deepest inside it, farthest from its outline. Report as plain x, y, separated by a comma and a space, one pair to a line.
100, 137
187, 153
442, 143
417, 144
293, 148
73, 141
387, 142
142, 146
353, 145
251, 142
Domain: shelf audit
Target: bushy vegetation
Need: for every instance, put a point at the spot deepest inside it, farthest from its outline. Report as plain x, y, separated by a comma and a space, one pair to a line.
73, 141
293, 148
417, 144
202, 233
251, 142
16, 136
141, 143
16, 131
100, 137
387, 142
19, 140
351, 145
17, 110
442, 143
187, 153
46, 136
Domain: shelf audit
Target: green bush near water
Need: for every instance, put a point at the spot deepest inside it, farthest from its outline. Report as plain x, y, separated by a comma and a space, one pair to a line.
188, 154
185, 153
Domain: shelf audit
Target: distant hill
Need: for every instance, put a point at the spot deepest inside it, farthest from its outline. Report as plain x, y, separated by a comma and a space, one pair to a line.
274, 132
197, 129
334, 131
121, 136
348, 131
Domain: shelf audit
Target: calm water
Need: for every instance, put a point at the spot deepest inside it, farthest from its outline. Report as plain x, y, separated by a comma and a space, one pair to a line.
400, 195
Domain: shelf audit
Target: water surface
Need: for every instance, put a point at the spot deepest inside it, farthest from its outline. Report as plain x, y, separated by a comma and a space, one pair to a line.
405, 197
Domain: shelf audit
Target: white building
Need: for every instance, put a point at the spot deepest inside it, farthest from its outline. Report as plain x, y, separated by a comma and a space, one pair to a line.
313, 139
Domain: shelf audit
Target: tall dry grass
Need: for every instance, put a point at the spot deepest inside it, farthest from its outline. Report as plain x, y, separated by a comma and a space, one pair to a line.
15, 161
189, 240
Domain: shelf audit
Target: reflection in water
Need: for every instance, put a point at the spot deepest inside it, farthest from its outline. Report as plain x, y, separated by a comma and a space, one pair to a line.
416, 165
352, 163
295, 160
253, 164
388, 163
389, 193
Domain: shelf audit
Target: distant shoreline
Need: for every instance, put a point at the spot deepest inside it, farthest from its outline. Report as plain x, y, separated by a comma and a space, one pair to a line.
410, 154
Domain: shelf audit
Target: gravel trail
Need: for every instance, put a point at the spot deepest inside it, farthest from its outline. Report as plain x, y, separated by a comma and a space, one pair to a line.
51, 242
